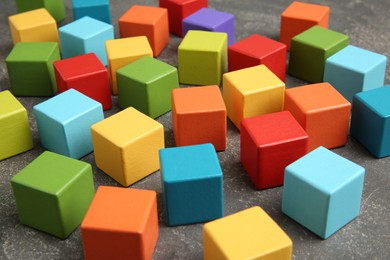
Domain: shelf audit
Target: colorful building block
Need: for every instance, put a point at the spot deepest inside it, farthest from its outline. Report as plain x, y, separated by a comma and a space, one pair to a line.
87, 74
299, 16
14, 127
247, 234
255, 50
33, 26
30, 68
146, 85
310, 49
199, 116
192, 184
124, 152
211, 20
64, 123
121, 52
97, 9
202, 58
268, 144
252, 92
53, 193
322, 191
148, 21
120, 224
85, 35
55, 8
354, 70
180, 9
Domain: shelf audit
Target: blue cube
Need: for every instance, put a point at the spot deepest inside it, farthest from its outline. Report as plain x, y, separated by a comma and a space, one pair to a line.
352, 70
322, 191
97, 9
85, 35
64, 123
192, 184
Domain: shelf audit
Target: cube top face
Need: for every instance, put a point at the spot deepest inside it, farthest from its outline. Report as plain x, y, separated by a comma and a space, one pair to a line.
32, 52
130, 46
31, 19
377, 99
306, 11
140, 14
80, 65
208, 18
9, 104
203, 41
85, 28
321, 38
87, 3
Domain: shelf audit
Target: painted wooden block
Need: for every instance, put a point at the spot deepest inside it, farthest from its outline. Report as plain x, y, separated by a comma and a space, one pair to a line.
121, 223
207, 19
14, 127
146, 84
299, 16
55, 8
64, 123
53, 193
268, 144
180, 9
322, 191
124, 152
370, 120
354, 70
199, 116
87, 74
121, 52
252, 92
255, 50
33, 26
85, 35
247, 234
30, 68
202, 58
310, 49
148, 21
192, 184
322, 111
97, 9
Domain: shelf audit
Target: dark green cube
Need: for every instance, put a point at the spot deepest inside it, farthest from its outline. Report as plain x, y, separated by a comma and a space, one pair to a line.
55, 7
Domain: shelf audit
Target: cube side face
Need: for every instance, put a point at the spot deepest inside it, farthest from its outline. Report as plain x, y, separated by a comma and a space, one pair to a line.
99, 12
276, 62
249, 154
71, 45
234, 101
291, 105
376, 76
56, 9
40, 33
96, 43
239, 60
160, 34
290, 27
131, 93
150, 235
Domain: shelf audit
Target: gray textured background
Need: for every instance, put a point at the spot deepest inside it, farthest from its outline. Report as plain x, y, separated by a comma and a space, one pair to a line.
367, 237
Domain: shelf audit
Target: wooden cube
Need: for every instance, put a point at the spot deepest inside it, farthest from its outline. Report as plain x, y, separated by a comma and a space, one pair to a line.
55, 8
124, 152
97, 9
322, 111
120, 224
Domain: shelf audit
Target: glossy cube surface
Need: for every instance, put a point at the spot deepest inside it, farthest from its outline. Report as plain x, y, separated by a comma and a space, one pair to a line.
97, 9
55, 8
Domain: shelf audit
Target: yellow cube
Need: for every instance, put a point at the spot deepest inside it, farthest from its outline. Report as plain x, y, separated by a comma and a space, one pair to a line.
126, 145
248, 234
121, 52
252, 92
33, 26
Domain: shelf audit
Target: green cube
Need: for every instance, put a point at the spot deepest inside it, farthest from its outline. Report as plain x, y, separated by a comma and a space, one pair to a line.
30, 68
146, 85
55, 7
53, 193
310, 49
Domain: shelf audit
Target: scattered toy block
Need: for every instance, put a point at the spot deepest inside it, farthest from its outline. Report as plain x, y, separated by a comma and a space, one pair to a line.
64, 123
268, 144
299, 16
148, 21
30, 68
353, 70
252, 92
53, 193
124, 152
14, 127
192, 184
87, 74
322, 191
120, 224
247, 234
310, 49
199, 116
97, 9
146, 85
180, 9
55, 8
202, 58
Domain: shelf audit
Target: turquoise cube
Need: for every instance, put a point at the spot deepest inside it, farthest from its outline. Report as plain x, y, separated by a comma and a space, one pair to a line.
64, 123
85, 35
353, 70
323, 191
192, 184
97, 9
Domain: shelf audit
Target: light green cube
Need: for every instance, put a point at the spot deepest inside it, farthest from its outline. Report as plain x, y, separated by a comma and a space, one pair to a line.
55, 7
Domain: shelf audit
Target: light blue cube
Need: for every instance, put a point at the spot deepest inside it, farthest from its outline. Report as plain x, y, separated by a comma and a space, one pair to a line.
322, 191
353, 70
192, 184
85, 35
97, 9
64, 123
